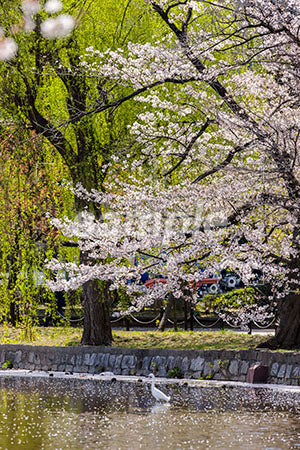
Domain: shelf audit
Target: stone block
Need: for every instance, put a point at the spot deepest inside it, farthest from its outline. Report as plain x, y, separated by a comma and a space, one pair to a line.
111, 362
234, 367
37, 359
43, 359
281, 371
153, 366
105, 359
170, 362
50, 356
161, 366
196, 375
18, 356
63, 358
178, 362
93, 359
128, 362
30, 357
217, 376
78, 360
207, 369
2, 357
185, 364
155, 361
57, 359
197, 364
86, 359
98, 359
264, 357
288, 371
71, 359
220, 365
274, 369
146, 363
244, 367
296, 372
118, 362
162, 371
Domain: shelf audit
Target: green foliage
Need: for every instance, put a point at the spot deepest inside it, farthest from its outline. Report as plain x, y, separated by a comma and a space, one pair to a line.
41, 89
176, 372
234, 299
7, 365
28, 192
123, 299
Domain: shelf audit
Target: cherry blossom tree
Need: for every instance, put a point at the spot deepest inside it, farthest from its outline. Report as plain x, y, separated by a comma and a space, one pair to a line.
221, 127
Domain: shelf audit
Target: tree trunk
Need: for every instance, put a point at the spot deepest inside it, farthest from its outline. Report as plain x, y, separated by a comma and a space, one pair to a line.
166, 314
185, 310
288, 332
96, 325
95, 293
175, 314
12, 314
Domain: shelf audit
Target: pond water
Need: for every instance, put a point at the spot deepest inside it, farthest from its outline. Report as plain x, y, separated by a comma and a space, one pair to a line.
42, 419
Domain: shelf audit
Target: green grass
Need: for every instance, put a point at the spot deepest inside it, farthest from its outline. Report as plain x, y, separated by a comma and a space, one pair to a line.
187, 340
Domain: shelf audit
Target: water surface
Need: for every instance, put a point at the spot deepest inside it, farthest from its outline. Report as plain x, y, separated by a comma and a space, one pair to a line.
42, 419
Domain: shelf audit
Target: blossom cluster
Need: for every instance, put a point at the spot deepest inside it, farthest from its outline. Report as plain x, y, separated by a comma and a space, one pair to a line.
166, 231
51, 28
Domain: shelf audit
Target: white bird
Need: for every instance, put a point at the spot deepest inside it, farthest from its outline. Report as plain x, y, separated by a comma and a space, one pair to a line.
157, 394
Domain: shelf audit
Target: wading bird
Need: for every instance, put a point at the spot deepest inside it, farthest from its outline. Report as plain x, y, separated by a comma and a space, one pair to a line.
157, 394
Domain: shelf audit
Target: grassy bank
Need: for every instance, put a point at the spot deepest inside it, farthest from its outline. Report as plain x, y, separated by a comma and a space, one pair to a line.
65, 336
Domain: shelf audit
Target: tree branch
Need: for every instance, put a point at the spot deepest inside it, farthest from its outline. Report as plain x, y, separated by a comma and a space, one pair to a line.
114, 105
189, 147
224, 163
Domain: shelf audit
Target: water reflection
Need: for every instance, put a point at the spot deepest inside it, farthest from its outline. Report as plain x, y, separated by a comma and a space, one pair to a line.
39, 420
160, 409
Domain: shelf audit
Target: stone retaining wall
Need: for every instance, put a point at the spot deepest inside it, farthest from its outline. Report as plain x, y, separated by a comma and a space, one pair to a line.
284, 368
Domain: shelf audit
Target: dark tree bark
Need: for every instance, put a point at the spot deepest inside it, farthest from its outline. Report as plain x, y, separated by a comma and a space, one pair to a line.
175, 315
96, 323
97, 327
287, 334
185, 310
166, 314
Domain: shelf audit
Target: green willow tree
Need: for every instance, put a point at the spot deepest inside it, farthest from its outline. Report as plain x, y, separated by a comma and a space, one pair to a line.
26, 179
45, 91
